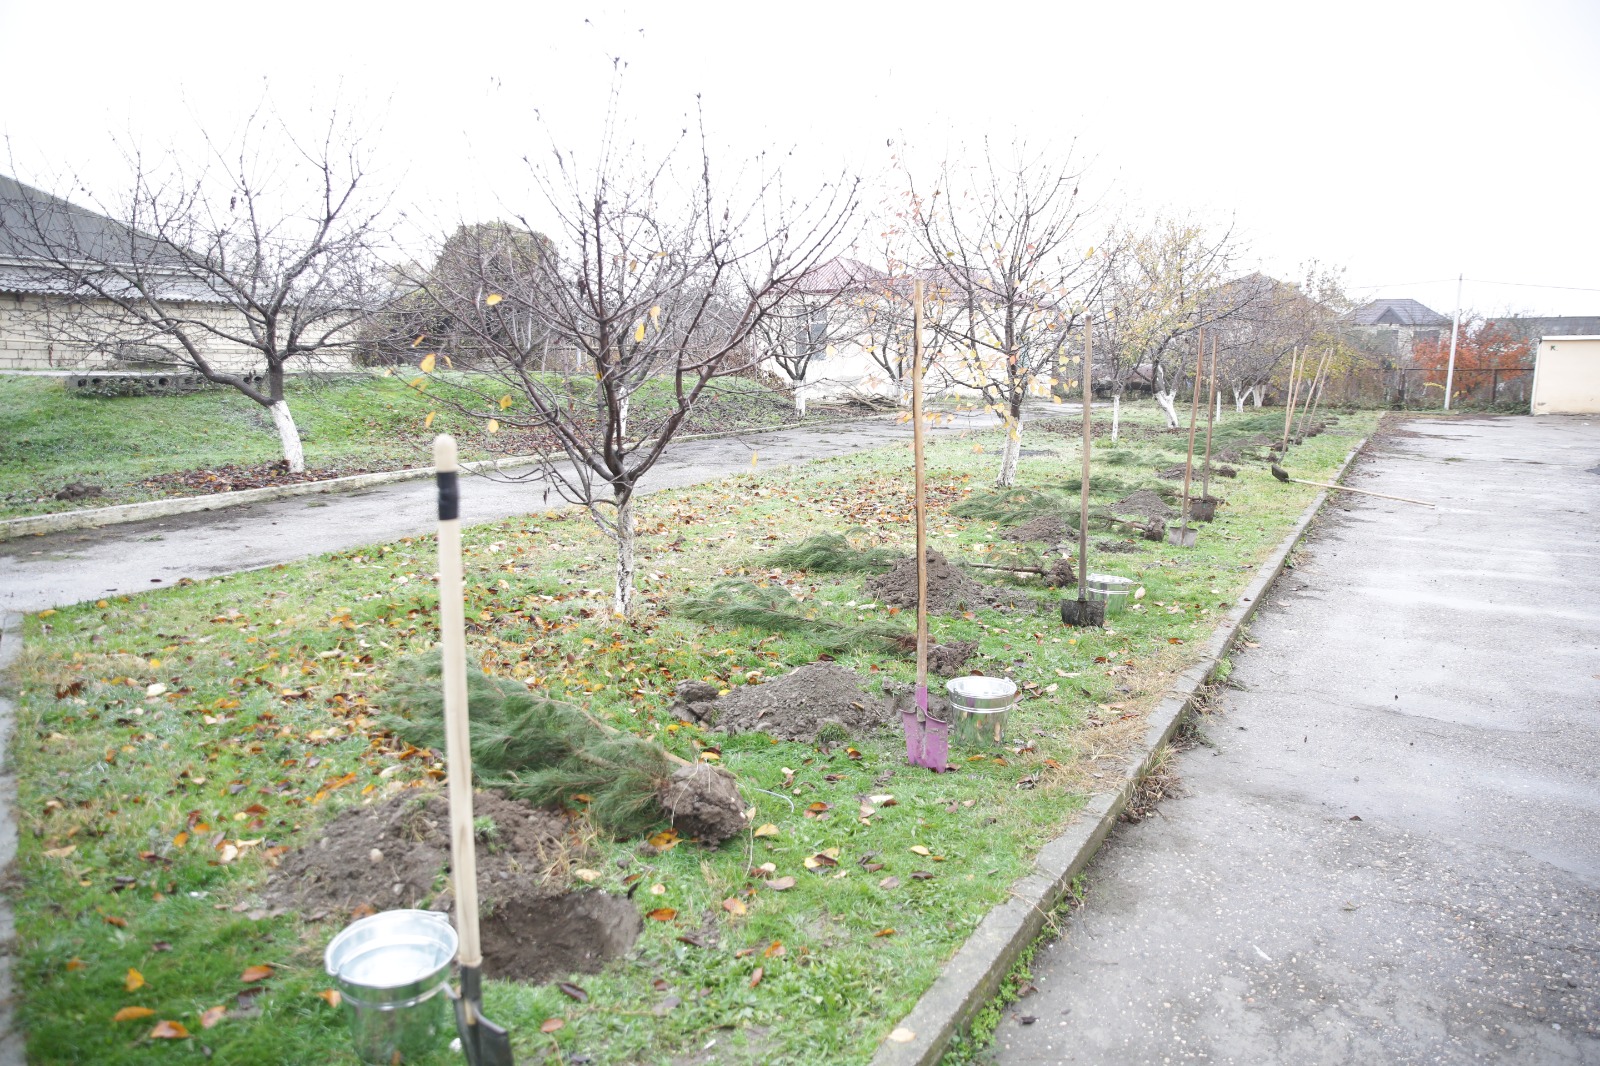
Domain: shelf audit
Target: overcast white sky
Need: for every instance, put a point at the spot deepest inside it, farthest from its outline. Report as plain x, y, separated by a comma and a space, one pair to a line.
1406, 141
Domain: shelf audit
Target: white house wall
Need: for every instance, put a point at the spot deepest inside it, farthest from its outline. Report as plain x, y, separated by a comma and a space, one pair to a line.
27, 341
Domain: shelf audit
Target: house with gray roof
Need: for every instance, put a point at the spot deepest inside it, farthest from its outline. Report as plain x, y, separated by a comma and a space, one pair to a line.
44, 302
1390, 327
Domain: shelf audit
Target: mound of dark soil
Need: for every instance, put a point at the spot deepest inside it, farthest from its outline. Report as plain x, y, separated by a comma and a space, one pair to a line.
949, 587
1117, 547
1171, 473
397, 854
801, 704
703, 802
1046, 529
1143, 504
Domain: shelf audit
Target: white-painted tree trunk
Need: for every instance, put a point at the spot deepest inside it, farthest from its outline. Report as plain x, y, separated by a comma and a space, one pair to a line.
1219, 405
1012, 453
800, 400
1255, 394
622, 598
1238, 400
1116, 414
289, 437
1167, 402
622, 417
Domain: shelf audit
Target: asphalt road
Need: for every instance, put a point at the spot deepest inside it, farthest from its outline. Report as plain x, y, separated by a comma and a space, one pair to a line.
1388, 849
65, 568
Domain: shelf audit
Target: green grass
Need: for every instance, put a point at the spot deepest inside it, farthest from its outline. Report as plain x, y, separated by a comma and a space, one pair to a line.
275, 679
51, 436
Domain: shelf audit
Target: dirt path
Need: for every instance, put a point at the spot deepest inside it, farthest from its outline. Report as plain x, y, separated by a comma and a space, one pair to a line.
1388, 850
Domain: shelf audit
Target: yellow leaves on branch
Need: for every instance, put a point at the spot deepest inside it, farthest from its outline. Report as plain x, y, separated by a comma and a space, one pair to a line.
492, 299
429, 361
505, 401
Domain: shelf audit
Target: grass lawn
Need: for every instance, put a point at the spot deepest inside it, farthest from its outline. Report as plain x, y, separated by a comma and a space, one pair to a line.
161, 734
51, 436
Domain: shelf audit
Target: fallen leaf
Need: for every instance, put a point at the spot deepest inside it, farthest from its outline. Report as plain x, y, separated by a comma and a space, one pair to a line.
889, 882
134, 981
768, 830
667, 838
903, 1035
663, 914
734, 906
213, 1015
61, 853
128, 1014
755, 978
332, 996
552, 1025
573, 991
781, 884
921, 875
884, 932
256, 973
120, 923
775, 950
813, 862
76, 963
920, 850
658, 890
165, 1030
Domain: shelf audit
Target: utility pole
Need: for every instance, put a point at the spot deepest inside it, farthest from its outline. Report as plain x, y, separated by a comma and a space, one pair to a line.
1455, 330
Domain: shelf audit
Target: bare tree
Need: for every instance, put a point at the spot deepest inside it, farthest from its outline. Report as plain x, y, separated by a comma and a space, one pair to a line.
242, 267
1164, 286
1013, 268
654, 274
829, 305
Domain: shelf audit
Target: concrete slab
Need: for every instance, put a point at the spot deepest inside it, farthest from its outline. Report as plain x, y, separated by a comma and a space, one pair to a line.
1391, 852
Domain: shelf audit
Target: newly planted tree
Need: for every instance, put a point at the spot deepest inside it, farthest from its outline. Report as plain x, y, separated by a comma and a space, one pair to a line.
251, 263
653, 273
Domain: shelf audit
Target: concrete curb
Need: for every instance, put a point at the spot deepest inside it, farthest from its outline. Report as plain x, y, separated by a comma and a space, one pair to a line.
973, 975
94, 517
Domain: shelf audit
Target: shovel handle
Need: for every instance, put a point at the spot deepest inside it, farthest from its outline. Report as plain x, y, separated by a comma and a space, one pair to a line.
1364, 492
453, 637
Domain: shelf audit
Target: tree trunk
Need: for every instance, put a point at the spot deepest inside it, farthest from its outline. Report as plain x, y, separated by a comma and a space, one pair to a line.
1219, 405
288, 436
1116, 413
1238, 400
1167, 402
1256, 395
622, 599
622, 417
1013, 449
799, 400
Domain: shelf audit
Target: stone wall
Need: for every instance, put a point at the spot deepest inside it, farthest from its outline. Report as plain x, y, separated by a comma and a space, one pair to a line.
35, 335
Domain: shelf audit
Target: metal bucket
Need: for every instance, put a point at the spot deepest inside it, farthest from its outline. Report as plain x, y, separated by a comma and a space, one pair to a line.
1110, 590
392, 971
981, 706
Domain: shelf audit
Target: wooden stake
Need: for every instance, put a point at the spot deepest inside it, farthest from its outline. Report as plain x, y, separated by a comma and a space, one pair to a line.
1211, 405
458, 753
1288, 402
1083, 494
1194, 415
920, 500
1317, 383
1305, 399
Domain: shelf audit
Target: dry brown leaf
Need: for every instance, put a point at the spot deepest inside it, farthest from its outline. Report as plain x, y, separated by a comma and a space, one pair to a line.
768, 830
775, 950
128, 1014
212, 1016
781, 884
734, 906
663, 914
332, 995
256, 973
166, 1030
918, 849
884, 932
552, 1025
134, 981
755, 978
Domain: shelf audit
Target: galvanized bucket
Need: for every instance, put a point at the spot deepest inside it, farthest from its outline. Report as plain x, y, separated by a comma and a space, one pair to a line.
392, 971
981, 707
1111, 590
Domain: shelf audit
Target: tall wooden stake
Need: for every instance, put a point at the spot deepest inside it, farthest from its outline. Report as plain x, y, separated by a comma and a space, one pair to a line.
1083, 489
921, 503
1205, 470
1288, 401
1304, 422
1194, 416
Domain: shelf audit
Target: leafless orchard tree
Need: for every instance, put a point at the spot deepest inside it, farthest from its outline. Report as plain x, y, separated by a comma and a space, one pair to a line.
653, 273
255, 261
1163, 287
1006, 243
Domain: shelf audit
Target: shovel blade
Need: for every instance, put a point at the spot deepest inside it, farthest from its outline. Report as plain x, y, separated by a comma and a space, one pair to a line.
1182, 538
1083, 613
915, 737
936, 745
482, 1042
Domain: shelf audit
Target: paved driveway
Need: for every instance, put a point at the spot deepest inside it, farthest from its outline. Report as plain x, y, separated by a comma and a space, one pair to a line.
1389, 849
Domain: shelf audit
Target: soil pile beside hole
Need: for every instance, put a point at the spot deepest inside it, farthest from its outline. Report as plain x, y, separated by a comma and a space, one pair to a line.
949, 588
1116, 547
1046, 529
802, 704
1143, 504
948, 660
397, 854
704, 803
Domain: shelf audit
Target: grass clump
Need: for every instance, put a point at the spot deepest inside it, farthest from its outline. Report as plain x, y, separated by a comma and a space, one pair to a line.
1010, 506
832, 553
734, 602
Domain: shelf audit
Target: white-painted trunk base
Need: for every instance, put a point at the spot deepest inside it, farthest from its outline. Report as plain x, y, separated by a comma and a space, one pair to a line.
1011, 455
289, 437
1116, 414
1167, 401
622, 597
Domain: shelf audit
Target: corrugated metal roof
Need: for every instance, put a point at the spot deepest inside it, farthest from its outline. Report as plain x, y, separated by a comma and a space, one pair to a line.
1397, 312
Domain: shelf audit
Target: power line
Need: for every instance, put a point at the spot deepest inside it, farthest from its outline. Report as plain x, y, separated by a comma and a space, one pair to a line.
1532, 285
